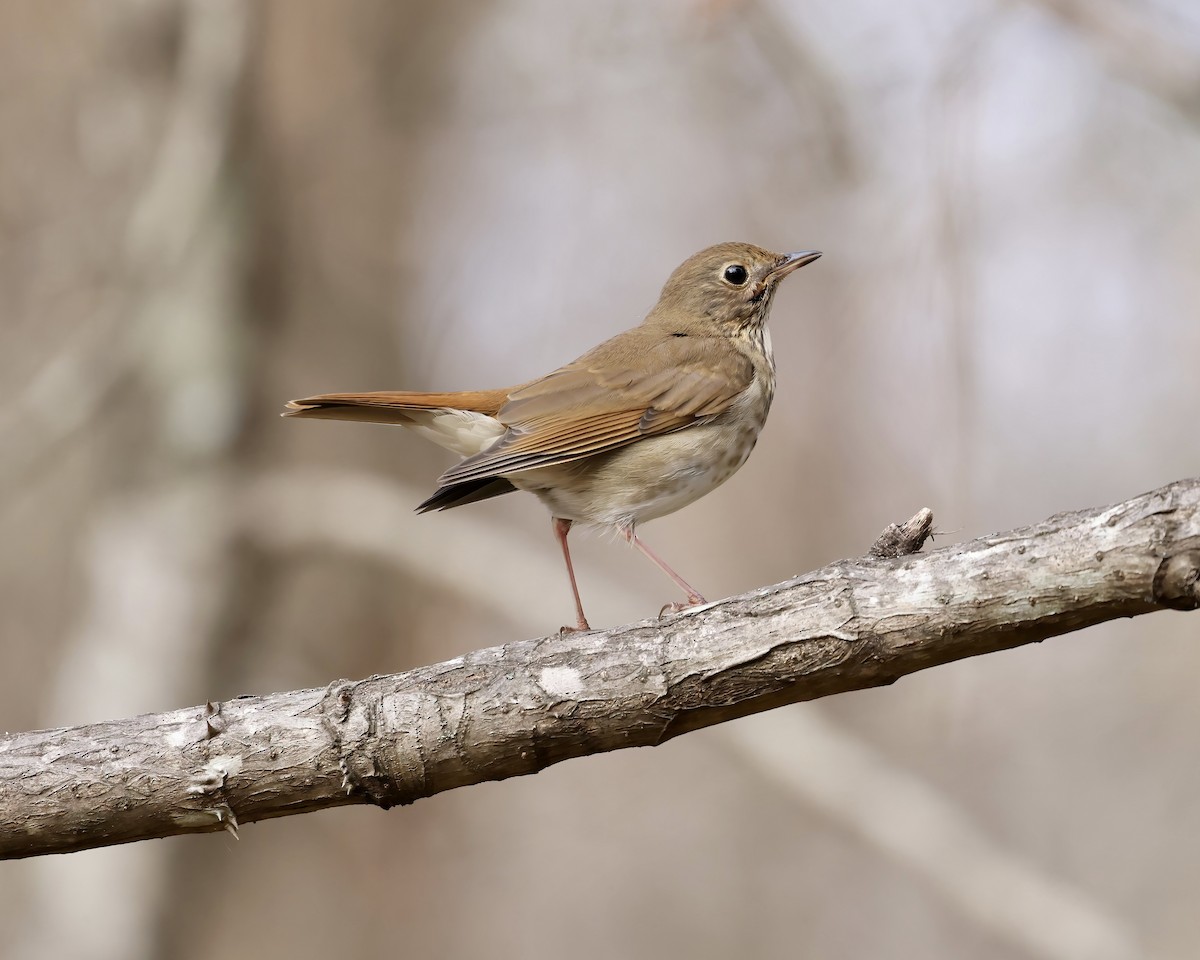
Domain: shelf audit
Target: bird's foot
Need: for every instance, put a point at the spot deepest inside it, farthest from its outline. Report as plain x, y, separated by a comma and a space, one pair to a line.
693, 600
583, 627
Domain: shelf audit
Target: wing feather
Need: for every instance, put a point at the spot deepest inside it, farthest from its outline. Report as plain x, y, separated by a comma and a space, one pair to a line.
623, 390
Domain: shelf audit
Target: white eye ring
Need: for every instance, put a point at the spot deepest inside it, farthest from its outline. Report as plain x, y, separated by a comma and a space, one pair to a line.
735, 274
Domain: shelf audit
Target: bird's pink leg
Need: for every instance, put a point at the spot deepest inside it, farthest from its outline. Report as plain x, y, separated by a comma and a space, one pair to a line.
561, 529
692, 594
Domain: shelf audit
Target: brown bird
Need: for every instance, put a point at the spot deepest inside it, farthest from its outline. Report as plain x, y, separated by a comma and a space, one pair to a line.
636, 428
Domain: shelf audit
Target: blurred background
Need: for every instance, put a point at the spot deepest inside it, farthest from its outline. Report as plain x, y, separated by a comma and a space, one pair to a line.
208, 207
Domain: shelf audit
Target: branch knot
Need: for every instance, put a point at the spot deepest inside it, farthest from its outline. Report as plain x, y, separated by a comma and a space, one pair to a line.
1177, 580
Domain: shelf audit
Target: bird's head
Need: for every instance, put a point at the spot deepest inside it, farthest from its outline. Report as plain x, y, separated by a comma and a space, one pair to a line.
730, 284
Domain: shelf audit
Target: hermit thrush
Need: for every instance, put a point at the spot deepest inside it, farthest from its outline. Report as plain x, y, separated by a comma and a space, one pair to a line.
634, 429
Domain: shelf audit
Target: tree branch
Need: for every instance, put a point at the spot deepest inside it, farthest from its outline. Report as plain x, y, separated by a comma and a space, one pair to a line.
514, 710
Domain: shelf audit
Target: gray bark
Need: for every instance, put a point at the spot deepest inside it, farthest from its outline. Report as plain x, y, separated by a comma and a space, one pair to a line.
513, 710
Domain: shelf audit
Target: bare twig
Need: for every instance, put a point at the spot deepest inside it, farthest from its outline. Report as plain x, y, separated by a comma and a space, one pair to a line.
901, 539
514, 710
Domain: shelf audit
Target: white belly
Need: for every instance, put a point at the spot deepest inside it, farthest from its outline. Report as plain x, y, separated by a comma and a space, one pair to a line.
647, 479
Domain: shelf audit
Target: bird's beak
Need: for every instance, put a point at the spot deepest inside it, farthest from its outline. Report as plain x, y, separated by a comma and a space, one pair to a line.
793, 261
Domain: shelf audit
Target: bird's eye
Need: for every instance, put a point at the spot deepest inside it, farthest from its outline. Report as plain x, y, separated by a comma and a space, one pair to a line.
736, 274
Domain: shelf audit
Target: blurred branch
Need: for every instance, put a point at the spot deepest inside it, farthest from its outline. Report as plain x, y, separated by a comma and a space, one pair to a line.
956, 191
514, 710
162, 555
904, 817
60, 399
1145, 54
181, 223
808, 81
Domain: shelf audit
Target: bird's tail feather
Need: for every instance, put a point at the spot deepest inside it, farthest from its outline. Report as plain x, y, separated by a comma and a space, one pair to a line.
393, 406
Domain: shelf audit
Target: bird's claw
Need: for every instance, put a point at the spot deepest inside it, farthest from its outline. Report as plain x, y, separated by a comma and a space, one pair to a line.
678, 607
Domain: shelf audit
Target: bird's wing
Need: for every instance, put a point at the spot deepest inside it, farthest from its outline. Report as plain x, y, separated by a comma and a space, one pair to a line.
626, 389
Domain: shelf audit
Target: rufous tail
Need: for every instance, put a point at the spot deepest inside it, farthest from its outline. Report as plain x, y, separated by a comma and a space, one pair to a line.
392, 406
